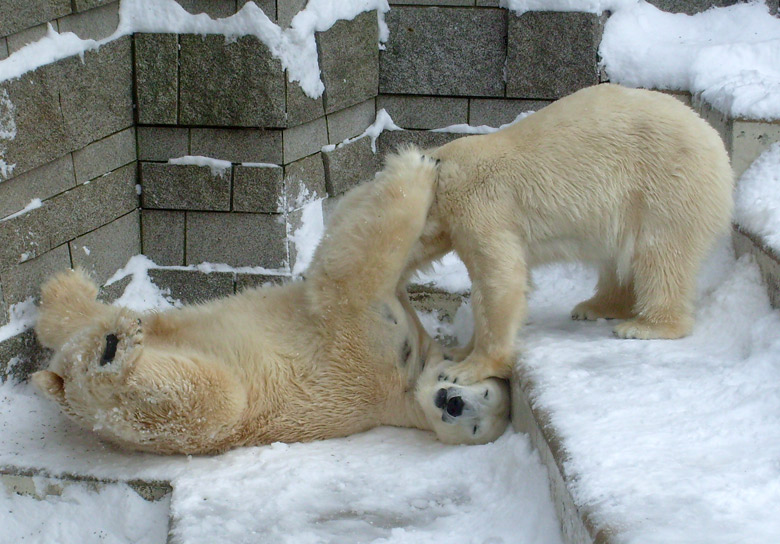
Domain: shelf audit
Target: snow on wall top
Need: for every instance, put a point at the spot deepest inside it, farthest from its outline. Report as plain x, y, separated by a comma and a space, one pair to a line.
295, 47
730, 55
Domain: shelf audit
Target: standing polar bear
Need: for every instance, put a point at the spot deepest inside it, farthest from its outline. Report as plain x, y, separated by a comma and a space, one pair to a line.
630, 180
338, 353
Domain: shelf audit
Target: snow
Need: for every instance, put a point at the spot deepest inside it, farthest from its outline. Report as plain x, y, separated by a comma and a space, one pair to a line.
382, 122
386, 485
84, 515
757, 198
218, 167
587, 6
34, 204
21, 316
307, 236
481, 129
730, 55
672, 440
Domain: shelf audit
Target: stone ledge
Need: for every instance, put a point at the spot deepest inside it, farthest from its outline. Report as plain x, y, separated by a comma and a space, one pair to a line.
767, 260
576, 523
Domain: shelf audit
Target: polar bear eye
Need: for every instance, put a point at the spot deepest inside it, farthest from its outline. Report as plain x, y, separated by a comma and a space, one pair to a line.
110, 351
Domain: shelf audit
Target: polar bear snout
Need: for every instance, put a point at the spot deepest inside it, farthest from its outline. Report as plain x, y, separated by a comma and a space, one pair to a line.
450, 401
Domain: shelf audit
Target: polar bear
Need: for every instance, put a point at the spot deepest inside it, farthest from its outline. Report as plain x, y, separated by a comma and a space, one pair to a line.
337, 353
630, 180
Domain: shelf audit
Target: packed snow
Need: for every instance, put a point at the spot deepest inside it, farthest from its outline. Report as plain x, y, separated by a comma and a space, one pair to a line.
757, 199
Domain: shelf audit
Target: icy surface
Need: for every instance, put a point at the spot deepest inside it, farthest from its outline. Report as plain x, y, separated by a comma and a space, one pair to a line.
730, 55
21, 316
757, 199
588, 6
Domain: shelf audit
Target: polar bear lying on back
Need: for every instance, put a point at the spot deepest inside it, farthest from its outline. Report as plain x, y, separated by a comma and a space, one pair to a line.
630, 180
336, 354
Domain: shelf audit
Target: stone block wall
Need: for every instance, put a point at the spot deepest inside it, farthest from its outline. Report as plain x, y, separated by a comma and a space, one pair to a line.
232, 101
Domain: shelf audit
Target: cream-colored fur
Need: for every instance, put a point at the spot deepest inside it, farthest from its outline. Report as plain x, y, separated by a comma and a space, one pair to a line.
630, 180
335, 354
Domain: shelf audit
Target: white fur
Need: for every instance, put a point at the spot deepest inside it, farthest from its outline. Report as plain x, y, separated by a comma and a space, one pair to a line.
333, 355
630, 180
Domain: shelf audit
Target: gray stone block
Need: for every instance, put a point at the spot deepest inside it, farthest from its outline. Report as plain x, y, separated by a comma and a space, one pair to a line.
35, 107
215, 9
349, 165
81, 5
250, 281
22, 355
268, 6
109, 293
425, 112
94, 24
237, 145
690, 6
552, 54
107, 249
303, 140
286, 10
495, 112
42, 182
24, 280
104, 81
68, 215
768, 262
156, 78
237, 239
304, 181
162, 233
488, 3
105, 155
3, 308
26, 36
184, 187
424, 139
162, 143
192, 286
258, 189
300, 107
349, 54
16, 16
748, 140
444, 51
351, 122
451, 3
3, 48
235, 83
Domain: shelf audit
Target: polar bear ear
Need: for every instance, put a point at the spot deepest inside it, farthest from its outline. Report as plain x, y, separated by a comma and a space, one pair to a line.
50, 384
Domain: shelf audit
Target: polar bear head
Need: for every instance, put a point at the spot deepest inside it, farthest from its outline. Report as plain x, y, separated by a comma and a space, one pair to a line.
463, 414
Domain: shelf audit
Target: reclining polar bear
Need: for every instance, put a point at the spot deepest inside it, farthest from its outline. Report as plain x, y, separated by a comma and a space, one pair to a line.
338, 353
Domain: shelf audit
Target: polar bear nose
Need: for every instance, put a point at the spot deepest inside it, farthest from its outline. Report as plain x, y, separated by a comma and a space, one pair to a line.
455, 406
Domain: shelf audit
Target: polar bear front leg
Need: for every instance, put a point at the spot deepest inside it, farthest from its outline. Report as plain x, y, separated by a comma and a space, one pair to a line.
498, 299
